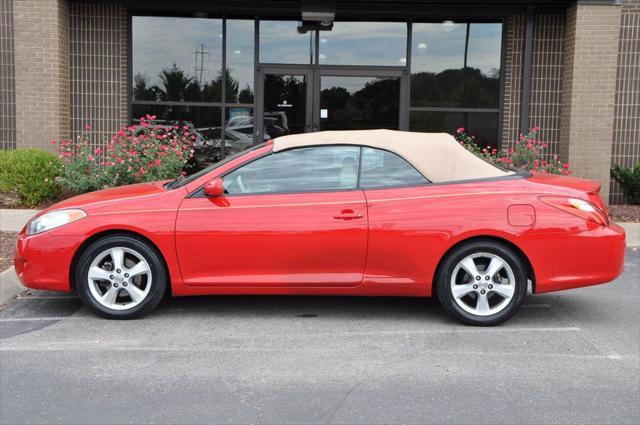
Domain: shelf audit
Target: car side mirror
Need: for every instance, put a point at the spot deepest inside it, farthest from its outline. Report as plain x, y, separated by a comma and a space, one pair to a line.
214, 187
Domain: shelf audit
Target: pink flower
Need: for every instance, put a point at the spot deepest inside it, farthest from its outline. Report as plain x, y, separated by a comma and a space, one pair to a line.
157, 162
460, 130
87, 127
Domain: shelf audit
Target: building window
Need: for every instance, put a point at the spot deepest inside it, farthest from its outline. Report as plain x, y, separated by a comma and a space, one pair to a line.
280, 42
198, 72
364, 43
455, 78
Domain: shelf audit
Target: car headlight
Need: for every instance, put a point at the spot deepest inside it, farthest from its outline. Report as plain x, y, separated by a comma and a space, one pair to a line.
54, 219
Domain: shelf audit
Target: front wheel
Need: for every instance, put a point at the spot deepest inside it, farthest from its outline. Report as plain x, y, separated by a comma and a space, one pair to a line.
482, 283
121, 277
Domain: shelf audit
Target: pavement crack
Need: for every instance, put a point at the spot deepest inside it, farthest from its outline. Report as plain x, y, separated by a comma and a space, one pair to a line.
346, 396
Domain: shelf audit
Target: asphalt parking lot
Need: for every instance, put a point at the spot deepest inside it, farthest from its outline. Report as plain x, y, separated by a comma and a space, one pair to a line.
570, 357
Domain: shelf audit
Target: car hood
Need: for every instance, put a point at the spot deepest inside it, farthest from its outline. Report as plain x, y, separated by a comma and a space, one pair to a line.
109, 196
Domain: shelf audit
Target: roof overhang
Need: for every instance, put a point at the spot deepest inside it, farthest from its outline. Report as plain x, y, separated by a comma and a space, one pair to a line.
350, 9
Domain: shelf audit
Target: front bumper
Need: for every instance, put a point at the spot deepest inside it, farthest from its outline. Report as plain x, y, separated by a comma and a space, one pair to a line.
43, 261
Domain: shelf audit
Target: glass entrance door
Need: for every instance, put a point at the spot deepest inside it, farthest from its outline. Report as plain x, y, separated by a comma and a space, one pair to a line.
286, 102
304, 99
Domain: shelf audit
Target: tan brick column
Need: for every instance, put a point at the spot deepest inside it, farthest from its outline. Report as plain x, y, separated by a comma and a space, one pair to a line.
42, 71
588, 92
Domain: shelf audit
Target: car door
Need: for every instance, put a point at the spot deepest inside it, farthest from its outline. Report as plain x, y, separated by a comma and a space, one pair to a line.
400, 237
292, 218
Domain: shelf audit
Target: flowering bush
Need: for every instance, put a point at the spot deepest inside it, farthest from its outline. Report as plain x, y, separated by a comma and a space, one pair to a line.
527, 153
141, 153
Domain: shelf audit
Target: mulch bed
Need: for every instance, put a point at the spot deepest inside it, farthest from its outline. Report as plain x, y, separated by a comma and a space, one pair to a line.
7, 241
12, 201
625, 213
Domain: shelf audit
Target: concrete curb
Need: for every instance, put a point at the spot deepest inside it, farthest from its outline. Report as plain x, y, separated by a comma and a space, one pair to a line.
10, 286
632, 231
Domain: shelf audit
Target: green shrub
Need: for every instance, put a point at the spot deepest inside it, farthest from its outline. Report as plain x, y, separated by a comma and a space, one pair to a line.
629, 179
31, 173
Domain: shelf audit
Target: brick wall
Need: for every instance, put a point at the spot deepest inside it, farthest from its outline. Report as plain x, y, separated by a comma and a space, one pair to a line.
41, 71
7, 77
626, 116
588, 89
546, 78
99, 75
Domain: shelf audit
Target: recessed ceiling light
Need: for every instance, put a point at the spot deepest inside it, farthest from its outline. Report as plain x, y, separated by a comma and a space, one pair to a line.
447, 25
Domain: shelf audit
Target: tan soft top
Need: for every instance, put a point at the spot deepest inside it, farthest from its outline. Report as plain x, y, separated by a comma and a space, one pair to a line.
438, 156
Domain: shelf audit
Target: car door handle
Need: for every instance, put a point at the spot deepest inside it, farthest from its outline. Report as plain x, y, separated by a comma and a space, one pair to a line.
348, 215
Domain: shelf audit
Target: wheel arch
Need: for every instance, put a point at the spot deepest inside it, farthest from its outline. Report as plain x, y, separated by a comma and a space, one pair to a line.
525, 260
110, 232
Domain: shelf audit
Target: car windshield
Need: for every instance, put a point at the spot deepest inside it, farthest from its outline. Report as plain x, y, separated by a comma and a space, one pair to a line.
183, 180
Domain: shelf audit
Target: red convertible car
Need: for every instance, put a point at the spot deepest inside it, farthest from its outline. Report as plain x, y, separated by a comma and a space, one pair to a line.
367, 213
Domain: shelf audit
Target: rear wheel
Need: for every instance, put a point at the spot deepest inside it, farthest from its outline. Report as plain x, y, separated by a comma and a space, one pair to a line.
482, 283
121, 277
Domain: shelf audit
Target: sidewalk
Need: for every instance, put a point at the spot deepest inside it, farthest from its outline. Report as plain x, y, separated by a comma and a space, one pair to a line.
14, 220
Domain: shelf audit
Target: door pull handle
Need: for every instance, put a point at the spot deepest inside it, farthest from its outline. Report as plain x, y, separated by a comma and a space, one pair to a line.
348, 215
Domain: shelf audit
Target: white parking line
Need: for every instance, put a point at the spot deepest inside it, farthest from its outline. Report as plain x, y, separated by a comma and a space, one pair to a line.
121, 346
46, 297
347, 333
32, 319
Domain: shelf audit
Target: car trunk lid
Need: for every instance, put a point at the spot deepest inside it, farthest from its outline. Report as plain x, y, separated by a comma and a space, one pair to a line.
591, 188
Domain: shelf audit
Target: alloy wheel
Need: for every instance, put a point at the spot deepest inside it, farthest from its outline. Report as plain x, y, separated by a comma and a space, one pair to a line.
119, 278
483, 284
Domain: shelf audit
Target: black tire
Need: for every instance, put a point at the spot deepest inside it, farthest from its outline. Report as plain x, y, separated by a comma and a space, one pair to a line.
158, 283
445, 272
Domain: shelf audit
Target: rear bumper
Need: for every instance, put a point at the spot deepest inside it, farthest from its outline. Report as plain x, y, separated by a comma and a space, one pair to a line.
43, 261
588, 257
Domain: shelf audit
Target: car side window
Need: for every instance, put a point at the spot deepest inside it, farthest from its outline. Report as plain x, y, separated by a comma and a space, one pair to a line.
311, 169
382, 168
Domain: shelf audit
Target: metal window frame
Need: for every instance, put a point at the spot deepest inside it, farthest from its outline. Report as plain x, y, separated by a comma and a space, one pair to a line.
527, 70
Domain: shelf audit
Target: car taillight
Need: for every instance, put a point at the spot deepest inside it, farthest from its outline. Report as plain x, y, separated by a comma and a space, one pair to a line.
578, 207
